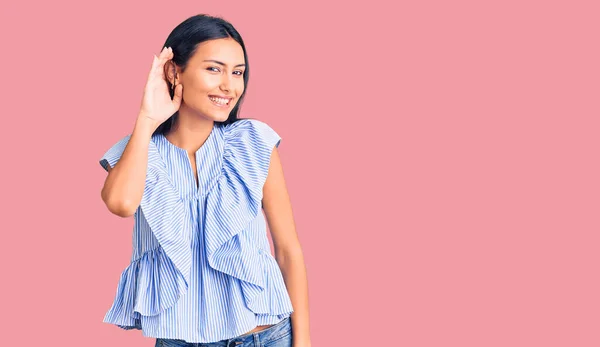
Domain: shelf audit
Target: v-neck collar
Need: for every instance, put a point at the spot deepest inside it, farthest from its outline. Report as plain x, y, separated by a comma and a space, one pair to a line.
205, 173
204, 145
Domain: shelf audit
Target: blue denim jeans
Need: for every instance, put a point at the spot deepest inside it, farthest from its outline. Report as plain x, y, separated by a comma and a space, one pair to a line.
278, 335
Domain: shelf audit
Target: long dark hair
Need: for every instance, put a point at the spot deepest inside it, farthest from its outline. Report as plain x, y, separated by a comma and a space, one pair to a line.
184, 40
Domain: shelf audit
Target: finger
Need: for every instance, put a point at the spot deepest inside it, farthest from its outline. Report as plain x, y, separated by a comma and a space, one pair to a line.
157, 69
160, 55
177, 96
165, 55
153, 67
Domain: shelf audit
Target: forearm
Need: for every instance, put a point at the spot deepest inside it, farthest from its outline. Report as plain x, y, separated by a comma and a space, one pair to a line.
295, 276
124, 185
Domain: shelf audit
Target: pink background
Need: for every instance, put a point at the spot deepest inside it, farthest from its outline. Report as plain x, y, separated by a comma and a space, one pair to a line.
442, 160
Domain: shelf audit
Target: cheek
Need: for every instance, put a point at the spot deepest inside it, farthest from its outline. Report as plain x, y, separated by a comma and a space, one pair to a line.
239, 86
203, 83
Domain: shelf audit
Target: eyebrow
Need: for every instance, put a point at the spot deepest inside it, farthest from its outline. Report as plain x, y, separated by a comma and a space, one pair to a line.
220, 63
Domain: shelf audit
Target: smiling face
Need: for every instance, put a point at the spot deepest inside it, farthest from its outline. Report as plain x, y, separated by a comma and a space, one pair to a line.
213, 80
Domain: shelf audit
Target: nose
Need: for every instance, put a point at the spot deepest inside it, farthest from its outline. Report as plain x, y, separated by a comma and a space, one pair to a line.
226, 83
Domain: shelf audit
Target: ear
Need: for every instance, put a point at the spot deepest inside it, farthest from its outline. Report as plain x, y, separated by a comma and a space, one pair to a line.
171, 71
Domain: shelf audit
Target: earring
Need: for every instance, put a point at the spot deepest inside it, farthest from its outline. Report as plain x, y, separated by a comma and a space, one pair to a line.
173, 84
174, 77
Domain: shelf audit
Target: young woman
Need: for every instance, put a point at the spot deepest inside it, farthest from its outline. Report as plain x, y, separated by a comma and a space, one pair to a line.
196, 179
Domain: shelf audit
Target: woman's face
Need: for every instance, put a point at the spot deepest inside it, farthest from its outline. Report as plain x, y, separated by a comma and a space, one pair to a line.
215, 70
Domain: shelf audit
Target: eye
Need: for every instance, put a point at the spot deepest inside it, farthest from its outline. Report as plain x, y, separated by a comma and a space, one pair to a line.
212, 67
241, 73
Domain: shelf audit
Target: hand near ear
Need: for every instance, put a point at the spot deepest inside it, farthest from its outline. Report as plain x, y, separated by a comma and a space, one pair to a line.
156, 102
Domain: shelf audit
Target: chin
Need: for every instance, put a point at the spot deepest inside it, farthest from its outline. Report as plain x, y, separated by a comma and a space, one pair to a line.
219, 117
222, 119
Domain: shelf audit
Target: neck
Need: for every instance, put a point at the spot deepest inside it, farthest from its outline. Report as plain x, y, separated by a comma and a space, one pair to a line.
190, 130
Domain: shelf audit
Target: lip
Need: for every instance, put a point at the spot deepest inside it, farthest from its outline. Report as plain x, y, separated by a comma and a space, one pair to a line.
219, 105
223, 97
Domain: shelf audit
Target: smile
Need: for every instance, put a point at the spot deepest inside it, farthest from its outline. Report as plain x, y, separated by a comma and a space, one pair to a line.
221, 102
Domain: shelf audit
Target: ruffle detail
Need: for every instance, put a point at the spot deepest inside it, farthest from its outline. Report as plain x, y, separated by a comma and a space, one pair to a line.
234, 201
157, 280
160, 277
141, 289
274, 299
164, 210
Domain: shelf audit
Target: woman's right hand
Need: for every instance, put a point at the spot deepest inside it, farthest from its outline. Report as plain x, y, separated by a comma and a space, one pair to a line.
157, 104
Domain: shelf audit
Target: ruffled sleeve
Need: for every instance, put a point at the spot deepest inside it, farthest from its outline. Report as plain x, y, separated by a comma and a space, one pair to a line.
155, 281
234, 202
112, 156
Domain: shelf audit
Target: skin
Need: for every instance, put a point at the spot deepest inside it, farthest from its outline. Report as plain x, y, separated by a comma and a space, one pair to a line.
197, 115
202, 78
288, 252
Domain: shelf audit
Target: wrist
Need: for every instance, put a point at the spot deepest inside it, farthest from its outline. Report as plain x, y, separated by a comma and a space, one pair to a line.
146, 124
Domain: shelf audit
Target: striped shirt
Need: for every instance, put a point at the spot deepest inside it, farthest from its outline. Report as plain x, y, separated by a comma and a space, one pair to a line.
202, 269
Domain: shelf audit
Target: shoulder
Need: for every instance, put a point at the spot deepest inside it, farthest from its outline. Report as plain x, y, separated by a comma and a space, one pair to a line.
246, 124
248, 148
113, 154
252, 131
121, 143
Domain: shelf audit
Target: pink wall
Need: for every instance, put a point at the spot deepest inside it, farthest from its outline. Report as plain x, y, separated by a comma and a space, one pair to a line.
441, 158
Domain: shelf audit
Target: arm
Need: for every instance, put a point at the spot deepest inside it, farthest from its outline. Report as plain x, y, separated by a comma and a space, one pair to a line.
124, 186
288, 252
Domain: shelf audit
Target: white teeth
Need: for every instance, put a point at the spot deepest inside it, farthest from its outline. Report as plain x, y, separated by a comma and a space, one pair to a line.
219, 100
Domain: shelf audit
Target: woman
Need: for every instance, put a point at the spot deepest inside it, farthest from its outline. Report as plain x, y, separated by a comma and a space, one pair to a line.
195, 178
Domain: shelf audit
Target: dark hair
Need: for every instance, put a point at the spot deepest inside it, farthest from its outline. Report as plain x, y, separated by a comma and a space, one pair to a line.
184, 41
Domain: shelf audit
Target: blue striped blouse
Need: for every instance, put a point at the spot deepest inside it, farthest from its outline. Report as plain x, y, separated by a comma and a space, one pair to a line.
202, 268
